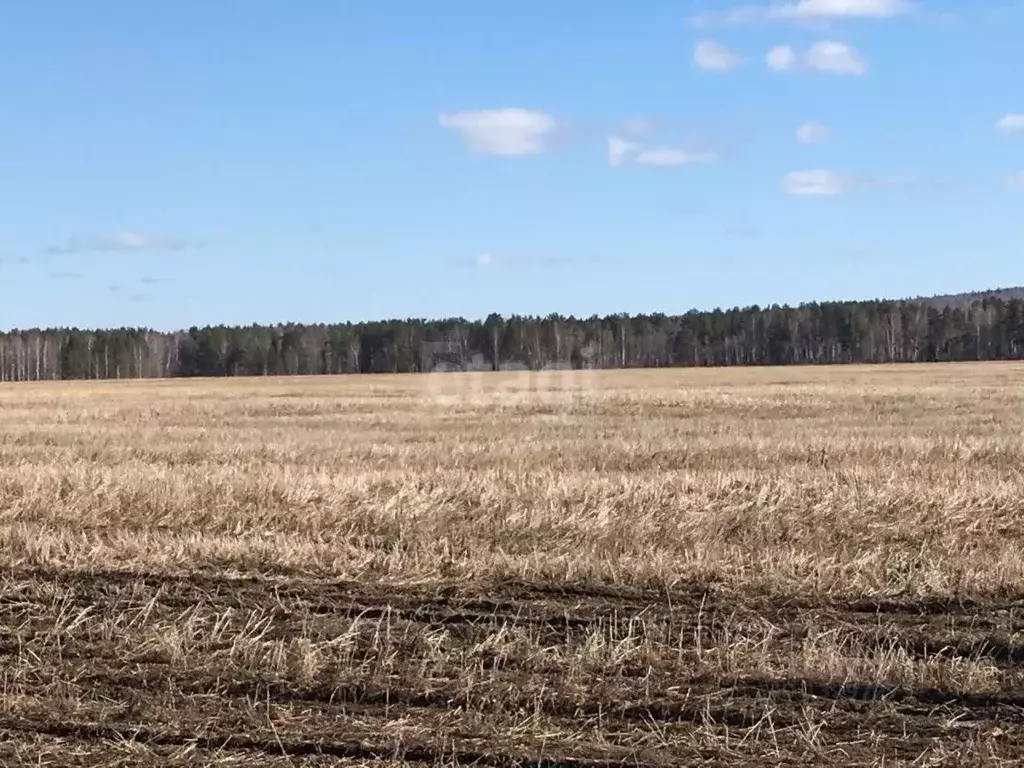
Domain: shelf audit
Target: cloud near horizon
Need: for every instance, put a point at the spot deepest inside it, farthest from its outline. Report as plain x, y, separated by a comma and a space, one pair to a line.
119, 242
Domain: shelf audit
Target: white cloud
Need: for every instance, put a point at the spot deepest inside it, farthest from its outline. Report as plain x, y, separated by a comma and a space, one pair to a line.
840, 9
812, 133
509, 132
1015, 180
123, 241
782, 58
619, 150
823, 183
806, 11
669, 156
484, 260
826, 56
817, 183
624, 152
836, 59
1011, 124
715, 57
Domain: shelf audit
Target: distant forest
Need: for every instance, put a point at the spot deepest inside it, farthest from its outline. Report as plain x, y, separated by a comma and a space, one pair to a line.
987, 326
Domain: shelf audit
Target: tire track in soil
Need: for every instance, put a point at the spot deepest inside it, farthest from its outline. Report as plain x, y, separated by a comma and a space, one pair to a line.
958, 629
11, 726
961, 629
560, 607
734, 703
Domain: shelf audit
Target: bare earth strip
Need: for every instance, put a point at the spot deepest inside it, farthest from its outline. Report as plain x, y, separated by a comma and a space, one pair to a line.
808, 566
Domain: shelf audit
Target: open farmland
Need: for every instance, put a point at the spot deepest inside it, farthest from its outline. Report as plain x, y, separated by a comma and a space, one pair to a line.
716, 567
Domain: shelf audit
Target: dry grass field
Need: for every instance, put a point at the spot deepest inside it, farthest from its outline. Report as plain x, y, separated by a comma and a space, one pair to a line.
807, 566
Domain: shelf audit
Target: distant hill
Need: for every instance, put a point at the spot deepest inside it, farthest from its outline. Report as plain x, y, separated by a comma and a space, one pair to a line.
963, 300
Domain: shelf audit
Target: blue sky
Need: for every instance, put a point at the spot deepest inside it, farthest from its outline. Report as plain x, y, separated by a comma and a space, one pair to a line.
203, 161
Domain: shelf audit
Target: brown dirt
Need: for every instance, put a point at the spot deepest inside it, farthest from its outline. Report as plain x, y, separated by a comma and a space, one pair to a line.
539, 697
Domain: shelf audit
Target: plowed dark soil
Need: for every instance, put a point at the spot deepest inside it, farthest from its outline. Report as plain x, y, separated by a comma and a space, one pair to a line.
136, 669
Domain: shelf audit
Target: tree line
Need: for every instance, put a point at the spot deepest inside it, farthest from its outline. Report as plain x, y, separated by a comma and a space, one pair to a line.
830, 332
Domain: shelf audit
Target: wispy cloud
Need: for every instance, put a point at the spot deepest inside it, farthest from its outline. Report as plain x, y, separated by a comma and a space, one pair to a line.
152, 280
836, 58
828, 57
782, 58
1010, 124
619, 150
510, 132
824, 183
625, 152
715, 57
672, 156
816, 183
812, 133
805, 11
119, 242
742, 231
488, 261
638, 126
1015, 180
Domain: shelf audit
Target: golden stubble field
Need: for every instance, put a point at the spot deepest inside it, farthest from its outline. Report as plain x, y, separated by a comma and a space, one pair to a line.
717, 567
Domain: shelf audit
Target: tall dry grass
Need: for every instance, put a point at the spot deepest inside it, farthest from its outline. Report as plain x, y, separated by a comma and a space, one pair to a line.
804, 481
